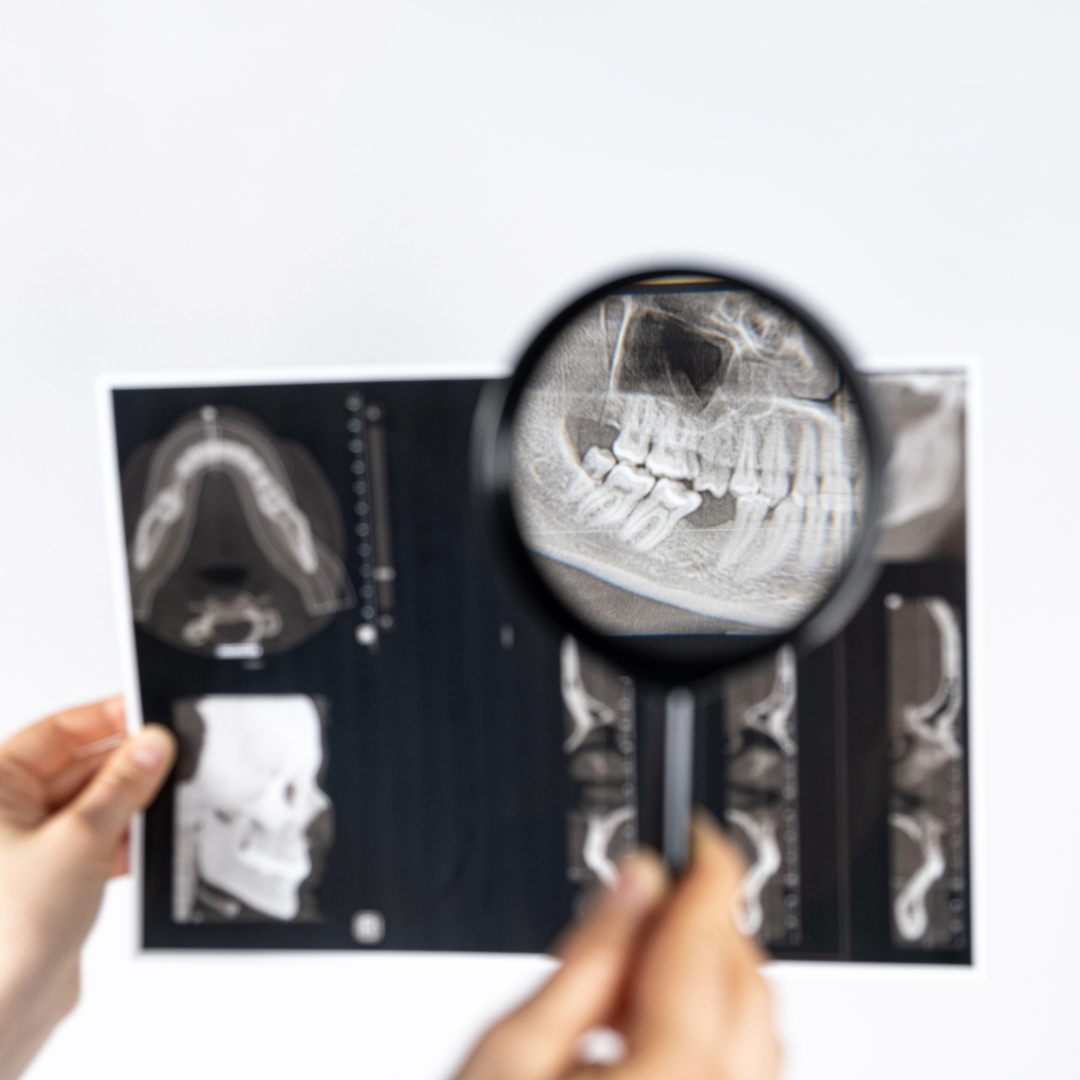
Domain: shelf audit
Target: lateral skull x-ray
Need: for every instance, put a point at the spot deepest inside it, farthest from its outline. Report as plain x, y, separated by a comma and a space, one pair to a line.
696, 448
235, 539
248, 808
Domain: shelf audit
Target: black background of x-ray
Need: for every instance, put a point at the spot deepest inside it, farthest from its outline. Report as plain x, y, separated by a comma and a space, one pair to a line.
446, 771
446, 768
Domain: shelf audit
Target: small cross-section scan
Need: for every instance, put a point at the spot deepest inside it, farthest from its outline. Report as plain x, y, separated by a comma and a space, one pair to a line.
761, 800
928, 826
924, 414
696, 449
252, 824
235, 538
599, 704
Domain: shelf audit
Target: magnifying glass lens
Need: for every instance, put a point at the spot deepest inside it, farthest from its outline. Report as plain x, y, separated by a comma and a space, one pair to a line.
686, 469
688, 463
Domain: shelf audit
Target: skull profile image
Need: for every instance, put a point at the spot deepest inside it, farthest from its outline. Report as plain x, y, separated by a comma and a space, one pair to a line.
697, 448
250, 819
234, 538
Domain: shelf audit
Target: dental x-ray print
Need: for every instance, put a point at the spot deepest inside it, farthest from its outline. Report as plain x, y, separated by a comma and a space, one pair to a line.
384, 746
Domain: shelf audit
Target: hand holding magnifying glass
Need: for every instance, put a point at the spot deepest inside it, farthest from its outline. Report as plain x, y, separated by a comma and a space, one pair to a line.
685, 471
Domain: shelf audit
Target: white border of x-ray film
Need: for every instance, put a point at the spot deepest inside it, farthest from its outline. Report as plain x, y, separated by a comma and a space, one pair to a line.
796, 971
780, 971
105, 384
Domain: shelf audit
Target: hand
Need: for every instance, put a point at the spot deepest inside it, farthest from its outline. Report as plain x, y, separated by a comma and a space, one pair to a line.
69, 787
666, 968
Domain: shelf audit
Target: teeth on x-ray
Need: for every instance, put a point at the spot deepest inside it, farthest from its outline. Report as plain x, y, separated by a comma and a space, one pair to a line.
760, 831
761, 796
215, 443
703, 456
249, 814
223, 560
909, 906
927, 842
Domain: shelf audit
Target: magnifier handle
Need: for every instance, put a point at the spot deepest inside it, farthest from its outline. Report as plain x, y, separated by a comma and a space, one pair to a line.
678, 777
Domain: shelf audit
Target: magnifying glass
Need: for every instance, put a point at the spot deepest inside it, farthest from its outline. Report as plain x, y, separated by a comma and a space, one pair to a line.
685, 471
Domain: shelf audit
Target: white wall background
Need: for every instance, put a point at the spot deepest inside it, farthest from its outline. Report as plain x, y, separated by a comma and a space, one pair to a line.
193, 184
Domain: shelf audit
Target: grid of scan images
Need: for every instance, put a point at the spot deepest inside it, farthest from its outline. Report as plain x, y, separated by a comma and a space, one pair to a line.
383, 745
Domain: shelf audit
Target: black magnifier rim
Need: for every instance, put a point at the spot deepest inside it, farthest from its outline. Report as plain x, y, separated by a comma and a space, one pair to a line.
495, 476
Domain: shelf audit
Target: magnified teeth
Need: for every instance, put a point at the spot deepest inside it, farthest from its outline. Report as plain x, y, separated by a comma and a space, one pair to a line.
674, 446
611, 504
595, 465
598, 462
640, 415
651, 523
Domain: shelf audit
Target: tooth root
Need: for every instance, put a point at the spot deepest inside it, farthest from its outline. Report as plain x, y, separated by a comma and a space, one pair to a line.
750, 511
615, 500
784, 529
830, 508
775, 463
744, 480
652, 522
780, 536
632, 445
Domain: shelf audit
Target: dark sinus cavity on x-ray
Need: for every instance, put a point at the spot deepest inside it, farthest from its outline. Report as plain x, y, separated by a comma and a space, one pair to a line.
235, 538
697, 450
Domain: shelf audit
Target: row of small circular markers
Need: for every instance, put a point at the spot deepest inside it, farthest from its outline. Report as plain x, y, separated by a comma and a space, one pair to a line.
367, 632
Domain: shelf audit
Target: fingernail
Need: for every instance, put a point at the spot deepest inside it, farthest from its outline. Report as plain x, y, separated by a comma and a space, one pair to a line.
638, 886
114, 709
149, 750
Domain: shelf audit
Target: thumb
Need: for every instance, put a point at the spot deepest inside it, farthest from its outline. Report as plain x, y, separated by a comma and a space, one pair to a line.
126, 784
540, 1040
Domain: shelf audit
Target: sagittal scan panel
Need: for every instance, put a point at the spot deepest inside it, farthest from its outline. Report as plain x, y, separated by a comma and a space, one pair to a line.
927, 819
691, 449
923, 413
235, 538
762, 796
599, 718
252, 824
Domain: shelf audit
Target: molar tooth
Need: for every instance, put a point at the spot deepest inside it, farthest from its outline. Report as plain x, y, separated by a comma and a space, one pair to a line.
745, 480
651, 523
675, 445
615, 500
598, 462
632, 445
785, 526
715, 482
595, 465
776, 463
750, 505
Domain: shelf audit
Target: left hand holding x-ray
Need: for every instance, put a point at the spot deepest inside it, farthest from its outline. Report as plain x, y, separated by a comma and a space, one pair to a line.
69, 787
663, 966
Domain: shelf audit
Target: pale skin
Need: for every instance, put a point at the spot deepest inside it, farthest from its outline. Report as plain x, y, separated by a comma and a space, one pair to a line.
663, 965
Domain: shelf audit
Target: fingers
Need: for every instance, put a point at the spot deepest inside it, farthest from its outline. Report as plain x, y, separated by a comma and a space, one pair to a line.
539, 1041
126, 784
697, 995
40, 767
